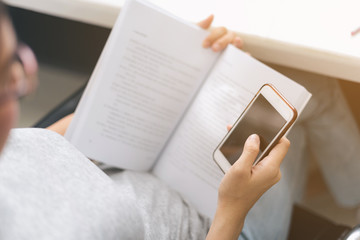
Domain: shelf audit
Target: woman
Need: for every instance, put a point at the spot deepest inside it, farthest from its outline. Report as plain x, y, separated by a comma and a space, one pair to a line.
49, 190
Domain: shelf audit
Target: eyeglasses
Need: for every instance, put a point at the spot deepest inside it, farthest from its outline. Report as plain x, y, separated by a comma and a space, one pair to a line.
18, 77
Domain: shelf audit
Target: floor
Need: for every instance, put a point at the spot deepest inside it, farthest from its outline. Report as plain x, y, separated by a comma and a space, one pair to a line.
320, 201
57, 84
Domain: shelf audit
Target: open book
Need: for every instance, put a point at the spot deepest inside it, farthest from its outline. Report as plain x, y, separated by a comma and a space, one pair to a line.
157, 101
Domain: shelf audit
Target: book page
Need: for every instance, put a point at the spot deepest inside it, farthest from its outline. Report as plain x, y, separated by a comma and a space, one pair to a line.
149, 71
187, 164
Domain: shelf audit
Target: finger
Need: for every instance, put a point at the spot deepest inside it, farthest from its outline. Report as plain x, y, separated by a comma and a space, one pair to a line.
222, 42
228, 127
278, 153
238, 42
215, 34
250, 152
206, 23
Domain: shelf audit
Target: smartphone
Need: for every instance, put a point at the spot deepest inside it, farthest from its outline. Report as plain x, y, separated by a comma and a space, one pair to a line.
269, 115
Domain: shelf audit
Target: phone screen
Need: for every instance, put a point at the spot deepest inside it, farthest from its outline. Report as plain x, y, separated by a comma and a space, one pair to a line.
261, 118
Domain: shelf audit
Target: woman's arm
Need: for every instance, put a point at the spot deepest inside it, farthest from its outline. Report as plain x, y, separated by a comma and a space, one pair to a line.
243, 185
61, 125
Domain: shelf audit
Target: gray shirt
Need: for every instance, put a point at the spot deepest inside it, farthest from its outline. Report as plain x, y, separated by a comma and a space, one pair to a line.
49, 190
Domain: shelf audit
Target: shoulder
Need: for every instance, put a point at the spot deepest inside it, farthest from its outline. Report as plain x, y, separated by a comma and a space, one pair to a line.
43, 154
48, 188
34, 145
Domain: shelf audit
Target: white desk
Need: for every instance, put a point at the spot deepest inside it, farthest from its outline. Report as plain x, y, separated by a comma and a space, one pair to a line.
311, 35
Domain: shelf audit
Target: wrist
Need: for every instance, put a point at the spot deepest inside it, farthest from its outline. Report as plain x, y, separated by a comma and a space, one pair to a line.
228, 222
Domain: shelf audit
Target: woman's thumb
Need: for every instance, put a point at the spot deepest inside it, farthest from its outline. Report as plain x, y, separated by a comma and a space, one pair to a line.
250, 152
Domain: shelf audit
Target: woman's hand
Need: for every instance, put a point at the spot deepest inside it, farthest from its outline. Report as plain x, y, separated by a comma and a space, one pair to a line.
243, 185
219, 37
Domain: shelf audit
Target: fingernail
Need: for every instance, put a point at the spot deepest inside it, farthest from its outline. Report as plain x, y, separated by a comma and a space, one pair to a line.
216, 47
254, 138
206, 44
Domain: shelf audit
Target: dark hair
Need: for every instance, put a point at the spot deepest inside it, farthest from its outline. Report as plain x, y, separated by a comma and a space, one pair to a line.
2, 8
3, 11
3, 16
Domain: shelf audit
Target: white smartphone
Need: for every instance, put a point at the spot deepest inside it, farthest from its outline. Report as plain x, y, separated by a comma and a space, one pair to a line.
269, 115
